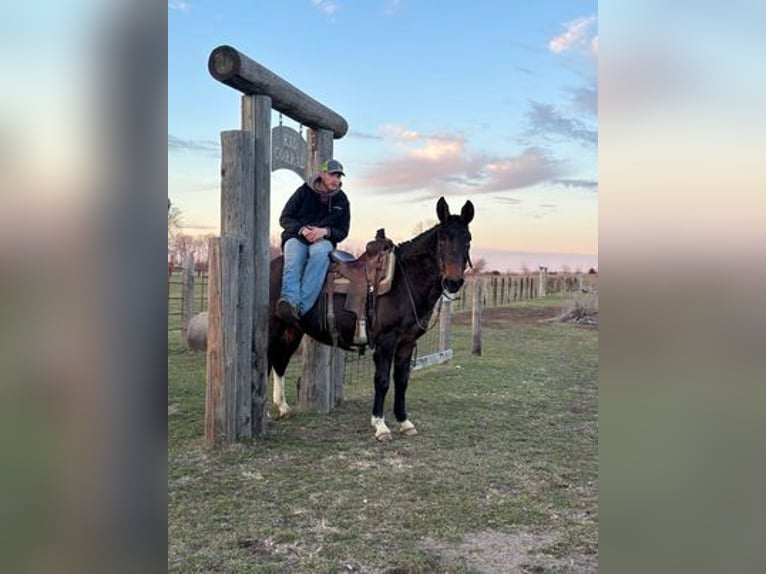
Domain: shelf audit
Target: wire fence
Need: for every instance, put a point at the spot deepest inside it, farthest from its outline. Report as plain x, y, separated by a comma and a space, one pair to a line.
497, 291
177, 295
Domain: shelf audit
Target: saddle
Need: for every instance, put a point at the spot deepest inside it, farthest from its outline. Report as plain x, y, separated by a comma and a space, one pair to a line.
361, 280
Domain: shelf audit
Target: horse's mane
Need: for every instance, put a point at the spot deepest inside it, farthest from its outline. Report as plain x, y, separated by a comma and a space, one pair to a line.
424, 243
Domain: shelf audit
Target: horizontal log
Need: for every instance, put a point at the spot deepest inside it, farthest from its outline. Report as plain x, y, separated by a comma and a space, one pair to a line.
233, 68
433, 359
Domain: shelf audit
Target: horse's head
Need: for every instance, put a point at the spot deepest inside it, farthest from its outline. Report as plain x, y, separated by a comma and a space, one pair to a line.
454, 244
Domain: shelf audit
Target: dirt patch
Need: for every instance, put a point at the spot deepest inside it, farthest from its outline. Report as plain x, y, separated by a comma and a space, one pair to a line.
500, 316
519, 553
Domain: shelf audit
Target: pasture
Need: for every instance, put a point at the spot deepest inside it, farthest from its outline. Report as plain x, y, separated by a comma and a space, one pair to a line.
502, 477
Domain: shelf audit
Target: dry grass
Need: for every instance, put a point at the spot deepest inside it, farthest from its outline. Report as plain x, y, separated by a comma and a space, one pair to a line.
502, 477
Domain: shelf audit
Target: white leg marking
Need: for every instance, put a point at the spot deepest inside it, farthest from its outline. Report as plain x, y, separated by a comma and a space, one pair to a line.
382, 432
407, 428
279, 395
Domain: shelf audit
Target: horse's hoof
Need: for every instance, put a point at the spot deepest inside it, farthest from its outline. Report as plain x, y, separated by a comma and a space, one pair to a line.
407, 428
382, 432
383, 438
284, 411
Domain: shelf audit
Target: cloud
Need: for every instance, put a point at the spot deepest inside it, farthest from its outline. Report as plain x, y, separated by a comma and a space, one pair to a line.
177, 144
543, 210
532, 166
178, 5
441, 165
544, 120
578, 183
399, 133
575, 36
431, 161
327, 6
509, 200
363, 135
586, 99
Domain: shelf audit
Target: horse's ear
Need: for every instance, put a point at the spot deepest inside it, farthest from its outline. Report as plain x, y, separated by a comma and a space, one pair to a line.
442, 209
466, 214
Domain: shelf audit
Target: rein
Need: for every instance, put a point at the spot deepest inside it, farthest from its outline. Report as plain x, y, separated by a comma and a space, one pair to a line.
425, 328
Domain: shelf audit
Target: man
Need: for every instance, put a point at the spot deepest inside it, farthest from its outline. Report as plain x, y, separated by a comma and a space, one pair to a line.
315, 219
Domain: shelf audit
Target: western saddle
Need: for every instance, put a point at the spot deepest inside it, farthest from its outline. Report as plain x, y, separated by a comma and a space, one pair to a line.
361, 280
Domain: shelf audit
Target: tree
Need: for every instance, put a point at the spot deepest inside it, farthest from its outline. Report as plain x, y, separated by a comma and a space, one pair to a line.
478, 267
180, 247
200, 247
423, 225
175, 221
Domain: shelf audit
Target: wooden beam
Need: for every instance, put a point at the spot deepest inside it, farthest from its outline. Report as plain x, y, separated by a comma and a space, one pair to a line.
233, 68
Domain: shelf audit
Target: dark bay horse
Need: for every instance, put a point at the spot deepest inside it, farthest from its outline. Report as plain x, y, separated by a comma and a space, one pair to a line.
426, 266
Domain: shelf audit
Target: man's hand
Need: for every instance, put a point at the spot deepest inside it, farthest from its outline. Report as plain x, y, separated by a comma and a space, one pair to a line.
314, 234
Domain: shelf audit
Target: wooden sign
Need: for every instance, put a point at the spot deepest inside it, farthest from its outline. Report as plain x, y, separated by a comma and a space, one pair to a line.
288, 150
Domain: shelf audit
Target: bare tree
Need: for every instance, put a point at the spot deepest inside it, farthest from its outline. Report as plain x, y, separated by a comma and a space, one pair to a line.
175, 222
199, 246
181, 247
479, 266
423, 225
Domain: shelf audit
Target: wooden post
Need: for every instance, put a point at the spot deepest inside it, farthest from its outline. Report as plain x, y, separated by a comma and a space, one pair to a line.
214, 386
228, 412
502, 290
321, 386
445, 324
256, 119
187, 295
476, 317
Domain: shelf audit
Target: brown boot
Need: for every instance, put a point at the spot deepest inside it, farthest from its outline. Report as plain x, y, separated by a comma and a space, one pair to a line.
287, 312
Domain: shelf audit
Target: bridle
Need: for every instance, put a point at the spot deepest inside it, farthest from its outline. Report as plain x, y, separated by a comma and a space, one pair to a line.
440, 259
445, 293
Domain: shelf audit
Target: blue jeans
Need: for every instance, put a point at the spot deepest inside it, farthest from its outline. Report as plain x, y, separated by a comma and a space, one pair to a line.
304, 272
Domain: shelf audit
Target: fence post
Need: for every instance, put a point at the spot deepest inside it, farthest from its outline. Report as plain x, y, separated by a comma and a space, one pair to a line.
543, 280
445, 324
187, 295
476, 318
214, 383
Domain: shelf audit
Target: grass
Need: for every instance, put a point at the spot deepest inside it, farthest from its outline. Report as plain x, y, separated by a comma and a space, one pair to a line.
503, 474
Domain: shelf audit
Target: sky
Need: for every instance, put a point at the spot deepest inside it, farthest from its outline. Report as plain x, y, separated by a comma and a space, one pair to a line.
490, 101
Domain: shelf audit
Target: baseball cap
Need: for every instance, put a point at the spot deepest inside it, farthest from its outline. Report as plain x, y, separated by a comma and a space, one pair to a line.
332, 166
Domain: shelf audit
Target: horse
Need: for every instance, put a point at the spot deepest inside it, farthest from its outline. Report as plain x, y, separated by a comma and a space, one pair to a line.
431, 264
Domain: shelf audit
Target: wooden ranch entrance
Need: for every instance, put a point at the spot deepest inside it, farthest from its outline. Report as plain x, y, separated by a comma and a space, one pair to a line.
237, 362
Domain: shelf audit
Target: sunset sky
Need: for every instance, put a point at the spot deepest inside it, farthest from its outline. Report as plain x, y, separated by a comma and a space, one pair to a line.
495, 102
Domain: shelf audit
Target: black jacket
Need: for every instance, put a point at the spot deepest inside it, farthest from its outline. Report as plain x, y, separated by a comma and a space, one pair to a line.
307, 207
